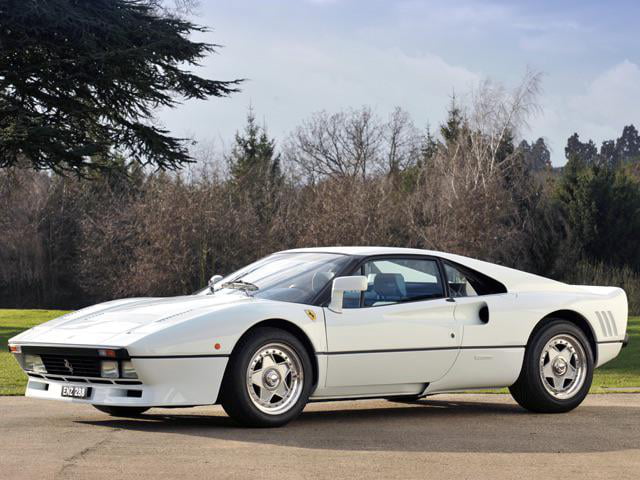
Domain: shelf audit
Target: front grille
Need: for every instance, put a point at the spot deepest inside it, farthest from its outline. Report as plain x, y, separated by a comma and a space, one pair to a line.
80, 366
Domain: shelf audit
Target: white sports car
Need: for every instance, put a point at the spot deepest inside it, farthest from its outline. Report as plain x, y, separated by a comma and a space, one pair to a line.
332, 323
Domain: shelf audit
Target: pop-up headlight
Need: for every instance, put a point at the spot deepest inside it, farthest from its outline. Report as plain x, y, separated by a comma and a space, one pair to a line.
109, 369
127, 370
33, 363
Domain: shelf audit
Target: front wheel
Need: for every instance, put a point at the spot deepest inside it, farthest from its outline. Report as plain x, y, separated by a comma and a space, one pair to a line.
268, 380
557, 370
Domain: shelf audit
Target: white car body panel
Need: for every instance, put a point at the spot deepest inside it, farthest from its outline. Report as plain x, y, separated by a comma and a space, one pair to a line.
395, 337
180, 346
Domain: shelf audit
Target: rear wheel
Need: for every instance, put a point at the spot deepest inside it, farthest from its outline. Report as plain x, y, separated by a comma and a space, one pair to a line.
122, 411
268, 379
557, 370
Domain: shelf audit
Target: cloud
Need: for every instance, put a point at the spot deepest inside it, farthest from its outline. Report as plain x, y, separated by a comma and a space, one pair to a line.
301, 58
322, 2
612, 98
599, 111
289, 79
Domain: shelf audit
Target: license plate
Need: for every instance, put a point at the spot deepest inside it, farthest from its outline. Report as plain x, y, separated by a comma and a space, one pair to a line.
75, 392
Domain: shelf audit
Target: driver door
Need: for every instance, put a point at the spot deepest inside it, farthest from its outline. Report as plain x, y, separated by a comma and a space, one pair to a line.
398, 335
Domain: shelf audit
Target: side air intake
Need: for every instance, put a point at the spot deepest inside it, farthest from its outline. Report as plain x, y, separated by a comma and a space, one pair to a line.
607, 324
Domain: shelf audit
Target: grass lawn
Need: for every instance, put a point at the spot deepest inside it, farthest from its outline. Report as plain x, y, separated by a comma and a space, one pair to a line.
624, 371
12, 322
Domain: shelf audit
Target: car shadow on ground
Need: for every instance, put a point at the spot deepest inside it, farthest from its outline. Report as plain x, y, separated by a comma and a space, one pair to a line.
422, 426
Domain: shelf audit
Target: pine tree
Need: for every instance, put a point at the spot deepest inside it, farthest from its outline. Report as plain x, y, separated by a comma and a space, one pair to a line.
505, 147
80, 80
582, 153
628, 145
255, 167
429, 146
454, 124
536, 156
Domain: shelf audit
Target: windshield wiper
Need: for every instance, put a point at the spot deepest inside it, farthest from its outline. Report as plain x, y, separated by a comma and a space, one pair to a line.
240, 285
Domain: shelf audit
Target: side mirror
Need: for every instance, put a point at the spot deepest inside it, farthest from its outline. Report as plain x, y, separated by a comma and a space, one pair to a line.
356, 283
213, 280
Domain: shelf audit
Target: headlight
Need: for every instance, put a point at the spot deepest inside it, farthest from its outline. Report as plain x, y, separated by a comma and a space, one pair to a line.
33, 363
109, 369
127, 370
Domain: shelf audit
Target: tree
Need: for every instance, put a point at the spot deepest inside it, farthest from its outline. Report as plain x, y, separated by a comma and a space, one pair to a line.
601, 206
583, 153
505, 148
429, 146
339, 145
402, 142
451, 129
255, 167
623, 150
467, 199
80, 80
628, 145
536, 156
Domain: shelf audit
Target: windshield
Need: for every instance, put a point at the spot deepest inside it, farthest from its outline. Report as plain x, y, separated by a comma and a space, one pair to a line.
288, 277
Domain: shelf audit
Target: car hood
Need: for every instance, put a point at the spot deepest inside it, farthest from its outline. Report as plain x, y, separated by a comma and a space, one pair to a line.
98, 324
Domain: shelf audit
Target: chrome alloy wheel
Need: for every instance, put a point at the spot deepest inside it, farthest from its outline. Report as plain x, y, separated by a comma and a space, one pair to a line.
563, 366
274, 378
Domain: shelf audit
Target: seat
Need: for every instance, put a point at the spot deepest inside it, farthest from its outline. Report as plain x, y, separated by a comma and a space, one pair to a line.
389, 287
320, 279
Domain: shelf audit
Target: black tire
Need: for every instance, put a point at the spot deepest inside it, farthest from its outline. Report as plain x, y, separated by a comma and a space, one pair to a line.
122, 411
529, 390
234, 395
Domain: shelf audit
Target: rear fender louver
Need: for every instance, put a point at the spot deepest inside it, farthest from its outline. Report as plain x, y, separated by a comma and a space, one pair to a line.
607, 323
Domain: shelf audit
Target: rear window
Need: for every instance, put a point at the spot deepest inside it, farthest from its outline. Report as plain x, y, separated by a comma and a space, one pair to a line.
464, 282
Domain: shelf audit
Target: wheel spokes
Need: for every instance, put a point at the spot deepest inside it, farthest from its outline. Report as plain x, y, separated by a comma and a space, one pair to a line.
553, 353
567, 355
282, 390
283, 369
265, 395
571, 372
274, 378
268, 361
563, 366
256, 379
547, 370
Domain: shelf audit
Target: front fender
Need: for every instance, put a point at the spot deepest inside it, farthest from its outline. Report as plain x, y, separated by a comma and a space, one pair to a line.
215, 333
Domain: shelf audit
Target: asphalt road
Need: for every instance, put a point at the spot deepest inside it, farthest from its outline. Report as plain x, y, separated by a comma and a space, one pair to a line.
462, 436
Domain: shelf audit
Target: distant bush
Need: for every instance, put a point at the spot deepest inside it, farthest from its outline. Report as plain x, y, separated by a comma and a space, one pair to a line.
600, 274
349, 178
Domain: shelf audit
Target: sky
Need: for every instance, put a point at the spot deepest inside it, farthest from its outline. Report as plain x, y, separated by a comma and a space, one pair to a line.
304, 56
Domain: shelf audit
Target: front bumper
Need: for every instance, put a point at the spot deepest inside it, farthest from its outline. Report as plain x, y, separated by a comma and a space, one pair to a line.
162, 381
625, 342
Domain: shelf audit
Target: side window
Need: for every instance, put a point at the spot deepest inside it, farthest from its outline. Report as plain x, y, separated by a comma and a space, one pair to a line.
464, 282
459, 285
351, 300
398, 280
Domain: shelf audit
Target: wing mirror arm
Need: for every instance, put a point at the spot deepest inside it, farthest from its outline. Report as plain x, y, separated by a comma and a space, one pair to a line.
357, 283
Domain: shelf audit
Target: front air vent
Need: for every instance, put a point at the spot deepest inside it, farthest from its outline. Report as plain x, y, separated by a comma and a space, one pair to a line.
607, 323
71, 365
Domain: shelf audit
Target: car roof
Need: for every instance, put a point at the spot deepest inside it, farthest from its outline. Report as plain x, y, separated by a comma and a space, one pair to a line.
366, 251
514, 280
